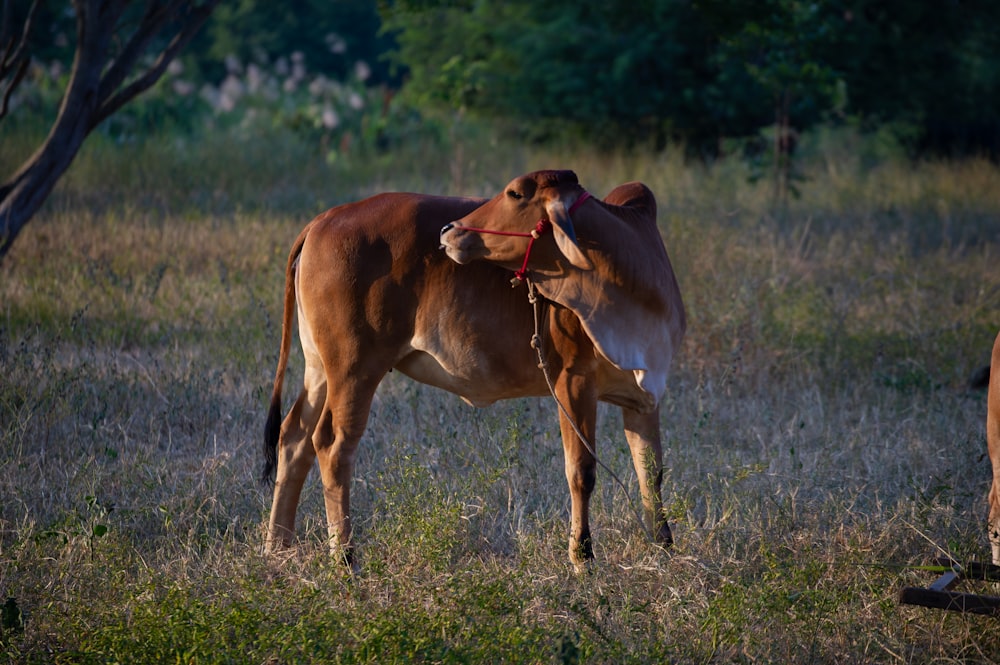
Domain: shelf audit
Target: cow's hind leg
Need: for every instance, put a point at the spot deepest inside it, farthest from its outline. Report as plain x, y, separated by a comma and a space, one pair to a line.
642, 430
295, 457
336, 441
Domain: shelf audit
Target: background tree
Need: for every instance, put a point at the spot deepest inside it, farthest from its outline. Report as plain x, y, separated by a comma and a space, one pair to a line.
122, 48
780, 45
605, 68
704, 71
930, 68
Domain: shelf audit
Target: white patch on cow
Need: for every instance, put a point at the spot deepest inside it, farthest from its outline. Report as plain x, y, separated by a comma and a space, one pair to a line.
637, 350
314, 374
306, 337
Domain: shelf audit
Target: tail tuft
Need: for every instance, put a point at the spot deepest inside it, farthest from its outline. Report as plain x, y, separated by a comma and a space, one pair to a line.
272, 430
980, 379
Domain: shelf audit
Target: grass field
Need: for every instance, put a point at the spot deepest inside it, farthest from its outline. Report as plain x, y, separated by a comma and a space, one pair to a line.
820, 437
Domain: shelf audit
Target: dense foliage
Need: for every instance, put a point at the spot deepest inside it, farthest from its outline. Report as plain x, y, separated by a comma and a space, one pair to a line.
708, 70
719, 76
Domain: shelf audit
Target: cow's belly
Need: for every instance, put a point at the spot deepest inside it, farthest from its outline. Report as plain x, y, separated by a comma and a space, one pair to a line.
479, 384
484, 384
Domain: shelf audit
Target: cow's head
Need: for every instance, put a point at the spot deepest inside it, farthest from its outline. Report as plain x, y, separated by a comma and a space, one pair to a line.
501, 230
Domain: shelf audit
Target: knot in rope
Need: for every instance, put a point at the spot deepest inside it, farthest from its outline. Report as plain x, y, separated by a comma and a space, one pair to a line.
540, 227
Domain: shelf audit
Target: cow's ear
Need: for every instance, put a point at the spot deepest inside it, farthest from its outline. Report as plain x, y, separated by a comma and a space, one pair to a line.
562, 228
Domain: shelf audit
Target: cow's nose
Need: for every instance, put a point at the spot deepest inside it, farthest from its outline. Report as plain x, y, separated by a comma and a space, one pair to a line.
444, 229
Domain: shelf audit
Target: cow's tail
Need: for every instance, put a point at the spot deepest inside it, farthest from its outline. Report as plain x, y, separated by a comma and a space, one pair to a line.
272, 428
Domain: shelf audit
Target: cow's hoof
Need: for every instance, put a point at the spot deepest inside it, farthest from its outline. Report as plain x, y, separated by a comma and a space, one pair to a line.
664, 538
581, 553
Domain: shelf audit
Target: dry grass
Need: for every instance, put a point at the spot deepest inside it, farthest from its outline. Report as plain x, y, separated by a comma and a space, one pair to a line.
820, 436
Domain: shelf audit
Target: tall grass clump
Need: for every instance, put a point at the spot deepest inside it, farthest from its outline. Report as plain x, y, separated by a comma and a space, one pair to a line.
821, 442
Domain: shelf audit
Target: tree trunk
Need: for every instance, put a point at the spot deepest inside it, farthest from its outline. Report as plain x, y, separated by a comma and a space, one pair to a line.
782, 147
24, 194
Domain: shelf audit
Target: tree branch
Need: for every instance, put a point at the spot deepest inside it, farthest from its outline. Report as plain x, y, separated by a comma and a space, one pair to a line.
9, 59
191, 25
14, 56
11, 86
153, 19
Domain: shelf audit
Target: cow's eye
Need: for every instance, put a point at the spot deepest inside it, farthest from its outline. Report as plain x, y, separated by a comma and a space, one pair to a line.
512, 194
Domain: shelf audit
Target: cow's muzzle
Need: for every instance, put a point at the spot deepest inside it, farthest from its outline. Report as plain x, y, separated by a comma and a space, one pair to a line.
451, 242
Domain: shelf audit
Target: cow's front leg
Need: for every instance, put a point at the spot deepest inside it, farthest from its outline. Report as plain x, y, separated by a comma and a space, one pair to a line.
578, 395
642, 430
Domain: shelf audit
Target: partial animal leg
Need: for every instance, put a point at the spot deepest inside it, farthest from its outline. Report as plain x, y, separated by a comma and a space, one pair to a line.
336, 442
993, 445
993, 524
295, 457
642, 430
577, 394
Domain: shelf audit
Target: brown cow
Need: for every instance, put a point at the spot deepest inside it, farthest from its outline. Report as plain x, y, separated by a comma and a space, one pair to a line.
374, 292
993, 445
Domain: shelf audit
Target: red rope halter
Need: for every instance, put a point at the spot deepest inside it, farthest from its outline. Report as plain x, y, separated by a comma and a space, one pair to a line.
541, 226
